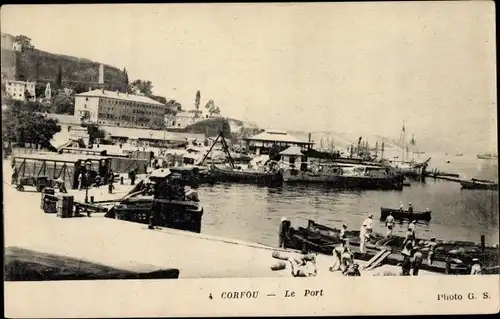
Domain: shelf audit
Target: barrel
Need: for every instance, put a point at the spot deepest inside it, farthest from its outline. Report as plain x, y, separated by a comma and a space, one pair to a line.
65, 206
49, 191
49, 201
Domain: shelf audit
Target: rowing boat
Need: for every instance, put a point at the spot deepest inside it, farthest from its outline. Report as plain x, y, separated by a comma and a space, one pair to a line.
404, 214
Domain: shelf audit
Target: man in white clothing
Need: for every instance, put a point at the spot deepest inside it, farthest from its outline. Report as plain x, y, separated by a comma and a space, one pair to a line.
389, 224
368, 222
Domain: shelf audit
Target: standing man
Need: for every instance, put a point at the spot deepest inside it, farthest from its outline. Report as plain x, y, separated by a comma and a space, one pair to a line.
411, 231
431, 246
342, 234
15, 175
417, 260
368, 222
406, 252
110, 187
389, 224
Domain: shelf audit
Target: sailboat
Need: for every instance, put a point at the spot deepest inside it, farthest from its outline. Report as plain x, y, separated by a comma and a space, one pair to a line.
406, 166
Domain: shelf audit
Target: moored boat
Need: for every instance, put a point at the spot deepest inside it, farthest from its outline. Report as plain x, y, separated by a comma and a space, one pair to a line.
162, 201
246, 176
479, 184
487, 156
353, 177
404, 214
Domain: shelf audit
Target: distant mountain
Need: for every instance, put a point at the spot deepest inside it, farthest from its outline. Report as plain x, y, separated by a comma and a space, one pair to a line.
41, 66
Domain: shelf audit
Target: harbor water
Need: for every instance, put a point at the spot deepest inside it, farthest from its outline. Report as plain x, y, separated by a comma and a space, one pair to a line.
253, 213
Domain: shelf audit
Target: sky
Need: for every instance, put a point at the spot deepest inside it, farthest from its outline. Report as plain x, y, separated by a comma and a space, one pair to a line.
361, 68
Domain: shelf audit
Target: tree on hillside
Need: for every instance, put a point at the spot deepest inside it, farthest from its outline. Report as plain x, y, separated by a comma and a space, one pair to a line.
63, 105
94, 132
27, 95
125, 80
40, 90
160, 99
59, 77
173, 104
144, 87
197, 100
157, 123
80, 88
212, 108
25, 42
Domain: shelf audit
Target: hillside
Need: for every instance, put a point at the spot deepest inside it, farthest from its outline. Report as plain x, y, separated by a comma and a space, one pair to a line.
43, 66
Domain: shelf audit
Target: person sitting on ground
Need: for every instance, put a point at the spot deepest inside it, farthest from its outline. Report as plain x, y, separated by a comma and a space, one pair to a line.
476, 267
303, 266
353, 270
191, 194
346, 260
60, 184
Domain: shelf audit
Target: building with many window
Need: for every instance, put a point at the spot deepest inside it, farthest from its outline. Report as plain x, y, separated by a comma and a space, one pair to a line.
116, 108
19, 90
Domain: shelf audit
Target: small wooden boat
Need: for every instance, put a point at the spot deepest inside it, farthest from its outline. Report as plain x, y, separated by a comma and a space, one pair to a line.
487, 156
479, 184
246, 176
405, 214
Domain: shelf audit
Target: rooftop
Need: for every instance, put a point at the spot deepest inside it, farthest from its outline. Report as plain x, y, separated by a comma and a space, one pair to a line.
68, 158
120, 96
277, 136
292, 150
149, 134
63, 118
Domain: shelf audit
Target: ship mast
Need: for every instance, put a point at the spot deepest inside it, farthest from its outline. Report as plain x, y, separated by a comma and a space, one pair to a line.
403, 143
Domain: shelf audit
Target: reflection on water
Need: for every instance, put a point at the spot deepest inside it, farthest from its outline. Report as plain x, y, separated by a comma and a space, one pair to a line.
253, 213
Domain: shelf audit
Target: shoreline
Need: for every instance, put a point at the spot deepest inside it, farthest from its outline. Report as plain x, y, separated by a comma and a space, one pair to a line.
116, 243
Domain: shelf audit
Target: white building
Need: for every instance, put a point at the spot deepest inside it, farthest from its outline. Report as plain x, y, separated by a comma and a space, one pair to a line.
17, 89
115, 108
183, 119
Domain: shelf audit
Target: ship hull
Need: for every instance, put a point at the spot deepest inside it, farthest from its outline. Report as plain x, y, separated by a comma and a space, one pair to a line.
344, 182
228, 175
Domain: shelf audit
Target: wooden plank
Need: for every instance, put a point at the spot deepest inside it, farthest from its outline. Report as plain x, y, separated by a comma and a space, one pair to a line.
379, 260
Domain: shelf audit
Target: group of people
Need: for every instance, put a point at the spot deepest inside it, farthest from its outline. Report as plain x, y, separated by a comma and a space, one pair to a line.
343, 257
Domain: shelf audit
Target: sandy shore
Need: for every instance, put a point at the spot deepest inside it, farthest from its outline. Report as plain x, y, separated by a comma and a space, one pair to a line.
119, 244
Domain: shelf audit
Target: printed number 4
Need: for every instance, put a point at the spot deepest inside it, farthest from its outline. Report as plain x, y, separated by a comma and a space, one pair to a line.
210, 296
